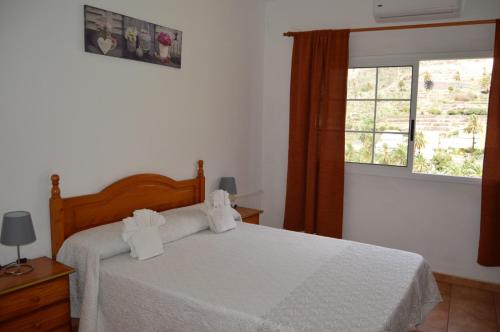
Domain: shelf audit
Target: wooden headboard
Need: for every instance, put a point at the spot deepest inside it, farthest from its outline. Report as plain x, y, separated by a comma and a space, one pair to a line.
118, 200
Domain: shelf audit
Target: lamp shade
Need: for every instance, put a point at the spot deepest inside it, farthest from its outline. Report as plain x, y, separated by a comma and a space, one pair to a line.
17, 229
228, 184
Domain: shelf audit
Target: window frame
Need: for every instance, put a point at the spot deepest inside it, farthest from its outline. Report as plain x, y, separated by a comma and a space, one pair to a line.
413, 60
375, 132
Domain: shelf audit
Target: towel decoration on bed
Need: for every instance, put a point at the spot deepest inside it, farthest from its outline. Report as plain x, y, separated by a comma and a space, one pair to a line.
142, 235
219, 211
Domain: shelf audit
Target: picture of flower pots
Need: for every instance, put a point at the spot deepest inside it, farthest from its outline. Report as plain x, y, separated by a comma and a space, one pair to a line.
168, 46
164, 42
131, 38
112, 34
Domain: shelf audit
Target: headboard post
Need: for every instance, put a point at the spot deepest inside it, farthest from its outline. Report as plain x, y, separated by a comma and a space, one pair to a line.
56, 216
201, 181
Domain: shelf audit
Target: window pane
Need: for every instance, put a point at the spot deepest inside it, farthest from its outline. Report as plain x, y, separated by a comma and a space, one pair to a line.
451, 116
360, 115
358, 147
361, 83
391, 149
393, 116
369, 101
394, 82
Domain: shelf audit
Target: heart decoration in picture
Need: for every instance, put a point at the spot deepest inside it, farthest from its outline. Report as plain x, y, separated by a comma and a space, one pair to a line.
112, 34
105, 45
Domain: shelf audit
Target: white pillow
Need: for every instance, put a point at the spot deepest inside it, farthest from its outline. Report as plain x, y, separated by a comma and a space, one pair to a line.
107, 241
182, 222
197, 206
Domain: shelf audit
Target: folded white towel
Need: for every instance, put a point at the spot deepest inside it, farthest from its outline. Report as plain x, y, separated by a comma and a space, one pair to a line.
219, 212
146, 217
221, 219
219, 198
142, 235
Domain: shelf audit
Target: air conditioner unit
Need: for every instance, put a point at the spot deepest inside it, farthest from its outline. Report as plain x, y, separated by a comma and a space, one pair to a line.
415, 10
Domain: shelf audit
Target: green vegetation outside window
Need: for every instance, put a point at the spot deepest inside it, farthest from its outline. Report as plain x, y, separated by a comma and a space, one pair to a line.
452, 107
378, 115
445, 131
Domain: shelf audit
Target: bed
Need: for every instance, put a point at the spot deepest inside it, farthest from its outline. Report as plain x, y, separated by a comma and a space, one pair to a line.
252, 278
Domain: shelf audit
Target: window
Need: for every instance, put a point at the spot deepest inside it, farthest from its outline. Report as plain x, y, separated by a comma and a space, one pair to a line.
378, 114
439, 129
452, 106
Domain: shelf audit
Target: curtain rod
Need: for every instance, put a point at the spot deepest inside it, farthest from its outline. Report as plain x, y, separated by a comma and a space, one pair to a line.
413, 26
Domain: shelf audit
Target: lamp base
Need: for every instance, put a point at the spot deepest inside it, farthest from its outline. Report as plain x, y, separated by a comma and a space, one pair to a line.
18, 269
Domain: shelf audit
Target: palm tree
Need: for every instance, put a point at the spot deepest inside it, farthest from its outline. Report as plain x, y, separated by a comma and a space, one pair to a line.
385, 158
366, 150
470, 168
420, 164
428, 82
442, 161
420, 141
399, 155
474, 127
485, 82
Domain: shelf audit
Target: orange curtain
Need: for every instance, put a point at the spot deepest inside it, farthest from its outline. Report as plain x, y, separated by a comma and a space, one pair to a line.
315, 180
489, 243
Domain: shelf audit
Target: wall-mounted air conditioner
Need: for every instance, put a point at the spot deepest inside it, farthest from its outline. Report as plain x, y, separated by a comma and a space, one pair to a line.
415, 10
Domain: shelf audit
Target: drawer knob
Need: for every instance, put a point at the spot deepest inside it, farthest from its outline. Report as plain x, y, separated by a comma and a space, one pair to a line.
36, 299
37, 325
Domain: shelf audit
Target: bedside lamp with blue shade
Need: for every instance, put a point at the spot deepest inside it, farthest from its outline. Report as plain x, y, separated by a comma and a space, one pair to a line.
229, 184
17, 230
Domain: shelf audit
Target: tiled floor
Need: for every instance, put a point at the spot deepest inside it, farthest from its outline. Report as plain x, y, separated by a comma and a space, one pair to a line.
464, 310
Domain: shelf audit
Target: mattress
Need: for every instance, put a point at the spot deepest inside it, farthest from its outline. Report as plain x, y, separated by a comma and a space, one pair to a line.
256, 278
252, 278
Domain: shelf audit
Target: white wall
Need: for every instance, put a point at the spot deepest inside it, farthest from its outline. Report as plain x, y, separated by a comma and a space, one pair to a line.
94, 119
439, 220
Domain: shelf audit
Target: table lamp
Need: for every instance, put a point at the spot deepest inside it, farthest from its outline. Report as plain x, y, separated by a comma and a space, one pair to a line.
17, 230
229, 184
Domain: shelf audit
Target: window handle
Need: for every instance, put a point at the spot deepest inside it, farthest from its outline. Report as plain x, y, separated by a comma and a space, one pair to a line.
412, 130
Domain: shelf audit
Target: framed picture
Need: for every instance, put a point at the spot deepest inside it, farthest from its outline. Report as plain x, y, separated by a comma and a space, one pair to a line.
112, 34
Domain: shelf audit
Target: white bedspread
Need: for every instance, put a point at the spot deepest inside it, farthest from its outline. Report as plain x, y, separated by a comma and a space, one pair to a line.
256, 278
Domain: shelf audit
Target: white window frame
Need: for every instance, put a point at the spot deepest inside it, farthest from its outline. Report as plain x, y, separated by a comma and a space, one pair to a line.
374, 132
410, 60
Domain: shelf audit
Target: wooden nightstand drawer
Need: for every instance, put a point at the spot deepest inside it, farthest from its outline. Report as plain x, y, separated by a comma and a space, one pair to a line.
31, 298
252, 219
45, 319
250, 216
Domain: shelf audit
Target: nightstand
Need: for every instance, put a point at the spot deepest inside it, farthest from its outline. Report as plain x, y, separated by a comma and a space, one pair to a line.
248, 215
37, 301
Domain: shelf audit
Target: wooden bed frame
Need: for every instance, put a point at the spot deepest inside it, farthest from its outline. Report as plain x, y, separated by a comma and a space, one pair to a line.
118, 200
